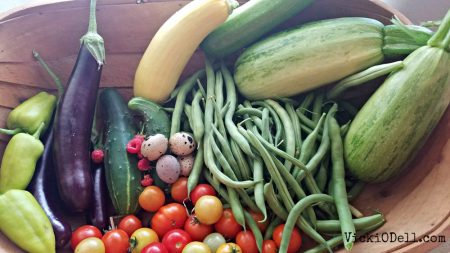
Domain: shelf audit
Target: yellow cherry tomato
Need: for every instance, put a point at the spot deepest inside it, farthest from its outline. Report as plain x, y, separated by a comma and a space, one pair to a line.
196, 247
143, 237
208, 209
229, 248
90, 245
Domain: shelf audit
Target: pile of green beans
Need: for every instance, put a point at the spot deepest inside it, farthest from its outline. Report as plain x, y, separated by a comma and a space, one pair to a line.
279, 157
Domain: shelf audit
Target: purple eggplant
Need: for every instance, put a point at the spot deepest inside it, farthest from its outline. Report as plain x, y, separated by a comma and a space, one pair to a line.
98, 214
73, 122
43, 187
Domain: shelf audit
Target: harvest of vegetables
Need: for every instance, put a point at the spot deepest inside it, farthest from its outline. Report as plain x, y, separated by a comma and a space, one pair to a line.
259, 150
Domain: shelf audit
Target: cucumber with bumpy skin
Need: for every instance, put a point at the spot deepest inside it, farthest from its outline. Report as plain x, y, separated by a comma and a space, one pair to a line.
123, 179
155, 119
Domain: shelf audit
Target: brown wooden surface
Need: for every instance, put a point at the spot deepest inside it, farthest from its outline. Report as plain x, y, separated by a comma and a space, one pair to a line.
415, 202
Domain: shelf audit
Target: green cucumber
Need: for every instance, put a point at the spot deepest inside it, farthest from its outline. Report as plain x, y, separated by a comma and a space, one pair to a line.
156, 120
123, 179
248, 23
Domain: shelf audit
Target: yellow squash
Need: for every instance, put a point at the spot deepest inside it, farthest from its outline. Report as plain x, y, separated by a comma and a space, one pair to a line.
174, 44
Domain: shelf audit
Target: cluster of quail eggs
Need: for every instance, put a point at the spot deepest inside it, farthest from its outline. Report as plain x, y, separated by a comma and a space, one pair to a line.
179, 161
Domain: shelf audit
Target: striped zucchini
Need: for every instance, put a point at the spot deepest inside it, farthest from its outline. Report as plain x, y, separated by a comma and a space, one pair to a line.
319, 53
123, 179
397, 119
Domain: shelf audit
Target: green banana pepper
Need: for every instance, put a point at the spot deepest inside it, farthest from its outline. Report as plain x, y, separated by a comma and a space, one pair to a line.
19, 160
24, 222
29, 115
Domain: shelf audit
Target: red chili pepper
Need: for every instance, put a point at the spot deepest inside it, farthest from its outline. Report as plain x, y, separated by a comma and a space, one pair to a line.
147, 181
97, 156
134, 146
143, 165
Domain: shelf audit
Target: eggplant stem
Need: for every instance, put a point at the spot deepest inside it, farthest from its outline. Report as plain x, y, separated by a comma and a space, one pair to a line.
92, 40
50, 72
10, 132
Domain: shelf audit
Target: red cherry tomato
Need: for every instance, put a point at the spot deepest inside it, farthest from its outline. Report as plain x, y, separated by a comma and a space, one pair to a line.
197, 230
116, 241
82, 233
259, 217
129, 224
168, 217
175, 240
295, 241
155, 247
246, 240
178, 191
227, 225
269, 246
201, 190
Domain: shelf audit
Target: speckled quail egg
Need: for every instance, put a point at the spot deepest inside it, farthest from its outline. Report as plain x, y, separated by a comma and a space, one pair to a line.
186, 164
182, 143
154, 146
168, 168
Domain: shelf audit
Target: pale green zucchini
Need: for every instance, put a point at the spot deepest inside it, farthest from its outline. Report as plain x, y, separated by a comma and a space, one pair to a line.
398, 118
319, 53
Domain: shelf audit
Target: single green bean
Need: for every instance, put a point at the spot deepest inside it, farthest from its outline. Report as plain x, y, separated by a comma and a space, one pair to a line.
219, 89
294, 215
259, 187
273, 202
187, 126
296, 128
185, 87
219, 120
250, 111
309, 145
334, 226
197, 117
236, 207
209, 107
196, 169
232, 98
363, 77
317, 108
355, 212
255, 229
266, 126
338, 183
322, 175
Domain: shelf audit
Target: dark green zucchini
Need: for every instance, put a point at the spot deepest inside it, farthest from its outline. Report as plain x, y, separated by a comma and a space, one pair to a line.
122, 176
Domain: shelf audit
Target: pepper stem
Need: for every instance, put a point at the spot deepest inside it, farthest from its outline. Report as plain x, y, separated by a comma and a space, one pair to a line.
38, 132
50, 72
441, 38
10, 132
92, 40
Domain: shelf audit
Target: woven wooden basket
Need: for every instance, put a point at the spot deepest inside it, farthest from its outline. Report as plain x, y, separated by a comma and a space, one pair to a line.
416, 203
